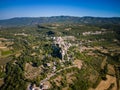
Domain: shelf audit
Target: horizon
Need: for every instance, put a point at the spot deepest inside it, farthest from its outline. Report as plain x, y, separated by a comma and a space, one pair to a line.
77, 8
61, 16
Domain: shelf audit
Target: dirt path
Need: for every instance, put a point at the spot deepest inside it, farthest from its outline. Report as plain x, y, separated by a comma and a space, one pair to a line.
77, 63
53, 74
3, 47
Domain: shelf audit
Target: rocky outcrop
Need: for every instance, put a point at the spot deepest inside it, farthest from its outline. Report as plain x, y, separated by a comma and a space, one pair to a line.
61, 46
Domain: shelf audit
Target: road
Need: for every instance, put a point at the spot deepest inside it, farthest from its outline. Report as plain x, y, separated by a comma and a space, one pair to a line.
51, 75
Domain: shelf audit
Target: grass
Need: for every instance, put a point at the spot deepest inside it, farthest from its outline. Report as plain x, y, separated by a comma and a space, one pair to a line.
4, 53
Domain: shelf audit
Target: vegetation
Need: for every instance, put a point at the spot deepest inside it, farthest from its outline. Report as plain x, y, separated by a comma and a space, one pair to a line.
28, 54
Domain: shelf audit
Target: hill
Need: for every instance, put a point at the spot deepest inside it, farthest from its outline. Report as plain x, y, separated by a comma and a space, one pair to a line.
23, 21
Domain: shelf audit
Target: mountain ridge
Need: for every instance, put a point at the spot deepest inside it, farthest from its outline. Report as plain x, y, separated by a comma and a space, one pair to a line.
23, 21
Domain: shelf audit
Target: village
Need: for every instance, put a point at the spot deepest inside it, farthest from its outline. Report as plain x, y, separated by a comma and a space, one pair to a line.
58, 42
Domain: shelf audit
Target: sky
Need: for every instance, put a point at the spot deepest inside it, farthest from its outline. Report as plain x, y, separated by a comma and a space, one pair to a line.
47, 8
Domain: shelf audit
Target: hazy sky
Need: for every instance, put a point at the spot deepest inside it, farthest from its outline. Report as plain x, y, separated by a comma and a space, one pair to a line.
38, 8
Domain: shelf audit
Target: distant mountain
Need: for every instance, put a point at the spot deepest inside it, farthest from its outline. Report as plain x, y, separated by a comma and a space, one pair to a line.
23, 21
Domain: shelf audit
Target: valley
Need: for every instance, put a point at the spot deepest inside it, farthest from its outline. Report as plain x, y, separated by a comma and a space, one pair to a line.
60, 56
